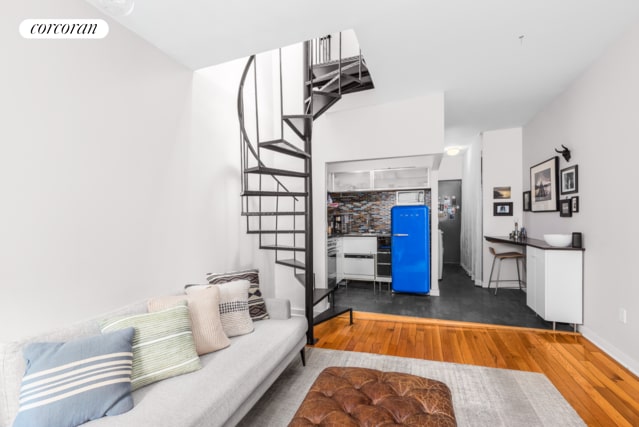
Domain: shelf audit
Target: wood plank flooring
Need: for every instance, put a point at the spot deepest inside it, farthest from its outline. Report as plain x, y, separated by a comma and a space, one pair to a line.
603, 392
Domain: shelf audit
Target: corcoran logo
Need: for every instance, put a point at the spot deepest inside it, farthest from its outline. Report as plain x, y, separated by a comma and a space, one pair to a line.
64, 28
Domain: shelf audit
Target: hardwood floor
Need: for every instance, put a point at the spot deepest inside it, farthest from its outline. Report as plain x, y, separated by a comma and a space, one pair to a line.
603, 392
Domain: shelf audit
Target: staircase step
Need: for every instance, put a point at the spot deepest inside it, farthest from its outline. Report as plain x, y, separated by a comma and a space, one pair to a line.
331, 313
275, 232
300, 123
273, 171
283, 248
320, 294
284, 147
291, 263
348, 69
322, 101
282, 213
274, 193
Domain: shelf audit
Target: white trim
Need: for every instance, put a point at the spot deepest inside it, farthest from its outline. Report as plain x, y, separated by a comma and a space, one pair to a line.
622, 358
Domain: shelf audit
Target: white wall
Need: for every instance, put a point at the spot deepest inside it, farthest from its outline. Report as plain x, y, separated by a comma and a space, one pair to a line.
471, 236
597, 119
501, 157
405, 128
451, 167
115, 185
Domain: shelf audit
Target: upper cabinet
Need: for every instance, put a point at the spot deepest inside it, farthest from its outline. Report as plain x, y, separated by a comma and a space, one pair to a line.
351, 181
380, 179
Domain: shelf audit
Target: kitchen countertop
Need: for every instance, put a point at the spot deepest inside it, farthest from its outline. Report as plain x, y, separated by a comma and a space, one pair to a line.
530, 241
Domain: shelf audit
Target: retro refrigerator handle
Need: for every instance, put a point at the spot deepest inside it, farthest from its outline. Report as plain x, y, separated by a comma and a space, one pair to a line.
400, 235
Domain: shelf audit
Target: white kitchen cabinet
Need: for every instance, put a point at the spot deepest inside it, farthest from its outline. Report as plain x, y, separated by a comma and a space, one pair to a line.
360, 267
340, 259
359, 257
380, 179
554, 284
351, 181
359, 244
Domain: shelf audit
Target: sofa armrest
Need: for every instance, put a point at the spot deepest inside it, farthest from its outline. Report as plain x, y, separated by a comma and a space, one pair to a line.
278, 308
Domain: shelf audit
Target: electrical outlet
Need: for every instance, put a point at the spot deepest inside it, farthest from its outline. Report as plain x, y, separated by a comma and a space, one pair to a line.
623, 315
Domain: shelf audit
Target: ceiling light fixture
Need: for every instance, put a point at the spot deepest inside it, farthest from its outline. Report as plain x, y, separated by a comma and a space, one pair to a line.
452, 151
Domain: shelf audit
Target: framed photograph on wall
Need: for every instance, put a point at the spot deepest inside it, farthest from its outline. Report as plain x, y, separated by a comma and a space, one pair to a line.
526, 199
565, 207
575, 204
501, 192
569, 180
503, 209
544, 185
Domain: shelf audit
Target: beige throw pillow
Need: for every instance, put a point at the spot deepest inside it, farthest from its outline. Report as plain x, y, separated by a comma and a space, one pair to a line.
233, 307
208, 332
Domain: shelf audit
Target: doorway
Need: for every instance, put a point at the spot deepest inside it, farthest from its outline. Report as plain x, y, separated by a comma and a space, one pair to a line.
450, 211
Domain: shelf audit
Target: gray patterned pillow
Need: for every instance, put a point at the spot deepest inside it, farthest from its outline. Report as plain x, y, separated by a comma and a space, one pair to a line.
163, 345
257, 307
234, 309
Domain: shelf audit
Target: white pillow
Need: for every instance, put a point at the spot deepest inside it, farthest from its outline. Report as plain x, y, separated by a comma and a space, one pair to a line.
233, 306
208, 332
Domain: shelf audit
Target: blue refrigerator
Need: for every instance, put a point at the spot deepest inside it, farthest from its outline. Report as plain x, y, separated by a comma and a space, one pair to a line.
410, 249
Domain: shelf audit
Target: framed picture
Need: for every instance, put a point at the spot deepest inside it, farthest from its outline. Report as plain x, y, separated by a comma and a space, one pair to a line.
526, 201
565, 207
574, 204
503, 209
544, 185
501, 192
569, 180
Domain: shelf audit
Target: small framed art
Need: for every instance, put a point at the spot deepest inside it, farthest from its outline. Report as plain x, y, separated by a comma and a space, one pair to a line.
569, 180
526, 200
574, 204
503, 209
565, 207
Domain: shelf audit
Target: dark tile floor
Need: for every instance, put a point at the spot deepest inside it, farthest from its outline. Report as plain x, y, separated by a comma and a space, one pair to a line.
459, 300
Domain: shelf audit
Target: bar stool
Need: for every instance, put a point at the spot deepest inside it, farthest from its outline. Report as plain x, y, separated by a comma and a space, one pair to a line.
502, 256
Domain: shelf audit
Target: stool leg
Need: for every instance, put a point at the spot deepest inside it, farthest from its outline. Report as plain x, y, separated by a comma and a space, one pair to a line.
498, 275
518, 276
490, 278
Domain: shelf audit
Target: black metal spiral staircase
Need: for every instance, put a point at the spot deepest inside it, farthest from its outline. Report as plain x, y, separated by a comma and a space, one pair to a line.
276, 201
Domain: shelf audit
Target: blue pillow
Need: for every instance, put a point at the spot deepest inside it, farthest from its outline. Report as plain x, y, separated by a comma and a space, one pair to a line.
68, 384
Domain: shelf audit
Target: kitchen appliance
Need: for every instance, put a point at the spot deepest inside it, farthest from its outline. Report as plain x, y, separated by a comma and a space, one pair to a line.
410, 244
331, 263
409, 197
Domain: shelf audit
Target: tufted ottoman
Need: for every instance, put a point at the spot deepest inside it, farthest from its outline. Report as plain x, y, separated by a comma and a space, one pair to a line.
367, 397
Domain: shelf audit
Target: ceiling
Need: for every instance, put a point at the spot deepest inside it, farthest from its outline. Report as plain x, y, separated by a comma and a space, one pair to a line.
472, 50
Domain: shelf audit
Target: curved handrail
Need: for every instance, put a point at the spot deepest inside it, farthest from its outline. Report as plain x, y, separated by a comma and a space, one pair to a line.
240, 114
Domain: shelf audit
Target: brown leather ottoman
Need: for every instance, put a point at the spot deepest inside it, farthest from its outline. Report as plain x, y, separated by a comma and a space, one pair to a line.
367, 397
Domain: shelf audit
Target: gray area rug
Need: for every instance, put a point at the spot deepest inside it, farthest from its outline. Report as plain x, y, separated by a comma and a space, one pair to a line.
481, 396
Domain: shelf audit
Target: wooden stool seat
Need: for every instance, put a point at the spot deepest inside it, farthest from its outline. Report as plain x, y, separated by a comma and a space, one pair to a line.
502, 256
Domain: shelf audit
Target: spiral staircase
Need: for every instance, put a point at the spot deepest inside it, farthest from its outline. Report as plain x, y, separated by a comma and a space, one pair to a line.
276, 174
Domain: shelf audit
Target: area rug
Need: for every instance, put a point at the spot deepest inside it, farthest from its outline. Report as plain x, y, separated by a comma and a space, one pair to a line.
481, 396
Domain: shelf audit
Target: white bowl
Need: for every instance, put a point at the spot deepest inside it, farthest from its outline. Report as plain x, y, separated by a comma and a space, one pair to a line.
558, 240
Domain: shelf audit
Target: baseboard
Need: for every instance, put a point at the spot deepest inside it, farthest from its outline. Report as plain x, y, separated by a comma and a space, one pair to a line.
622, 358
298, 311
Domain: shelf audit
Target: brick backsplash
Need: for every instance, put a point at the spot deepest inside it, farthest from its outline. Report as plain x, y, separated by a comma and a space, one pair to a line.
361, 205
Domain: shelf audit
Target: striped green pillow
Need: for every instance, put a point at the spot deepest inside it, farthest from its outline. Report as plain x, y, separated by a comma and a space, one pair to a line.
163, 345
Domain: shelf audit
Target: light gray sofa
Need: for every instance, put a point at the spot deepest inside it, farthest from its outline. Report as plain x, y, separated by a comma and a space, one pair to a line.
230, 382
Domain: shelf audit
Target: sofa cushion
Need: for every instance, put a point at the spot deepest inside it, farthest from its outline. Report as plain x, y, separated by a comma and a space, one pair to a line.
163, 344
257, 308
70, 383
233, 307
228, 379
13, 367
208, 332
